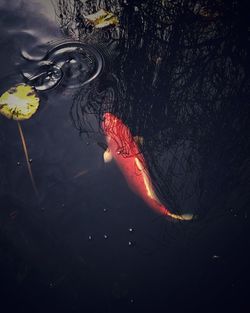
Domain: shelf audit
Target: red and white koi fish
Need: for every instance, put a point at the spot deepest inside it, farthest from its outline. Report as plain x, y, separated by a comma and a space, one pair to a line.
125, 151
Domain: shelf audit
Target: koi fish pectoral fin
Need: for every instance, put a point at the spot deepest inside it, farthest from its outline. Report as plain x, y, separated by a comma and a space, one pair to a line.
107, 156
139, 140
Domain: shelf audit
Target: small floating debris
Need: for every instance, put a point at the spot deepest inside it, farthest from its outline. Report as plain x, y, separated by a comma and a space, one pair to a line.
102, 19
80, 174
13, 215
216, 257
130, 229
51, 285
105, 236
205, 12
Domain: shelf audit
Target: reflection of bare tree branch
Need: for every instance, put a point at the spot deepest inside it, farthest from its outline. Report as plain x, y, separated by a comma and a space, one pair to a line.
182, 82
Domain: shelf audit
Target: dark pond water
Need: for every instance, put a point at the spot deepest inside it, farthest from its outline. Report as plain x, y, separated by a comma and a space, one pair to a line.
177, 74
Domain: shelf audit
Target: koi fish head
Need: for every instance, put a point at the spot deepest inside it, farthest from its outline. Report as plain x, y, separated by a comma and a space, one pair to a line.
119, 137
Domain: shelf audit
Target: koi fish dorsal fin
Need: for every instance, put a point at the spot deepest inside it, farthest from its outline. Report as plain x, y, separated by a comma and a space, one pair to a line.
147, 182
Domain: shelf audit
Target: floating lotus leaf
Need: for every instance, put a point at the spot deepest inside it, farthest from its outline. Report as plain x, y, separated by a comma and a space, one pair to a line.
19, 102
102, 19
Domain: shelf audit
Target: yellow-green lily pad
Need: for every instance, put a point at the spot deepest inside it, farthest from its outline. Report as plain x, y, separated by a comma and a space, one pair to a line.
102, 19
19, 102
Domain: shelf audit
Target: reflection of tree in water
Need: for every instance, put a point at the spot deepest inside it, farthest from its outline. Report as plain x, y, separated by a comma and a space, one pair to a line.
180, 79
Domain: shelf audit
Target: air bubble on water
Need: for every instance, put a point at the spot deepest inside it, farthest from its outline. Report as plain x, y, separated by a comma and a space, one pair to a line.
51, 285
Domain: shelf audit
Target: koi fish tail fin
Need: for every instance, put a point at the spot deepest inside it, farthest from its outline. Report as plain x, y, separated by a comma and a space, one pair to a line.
181, 217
